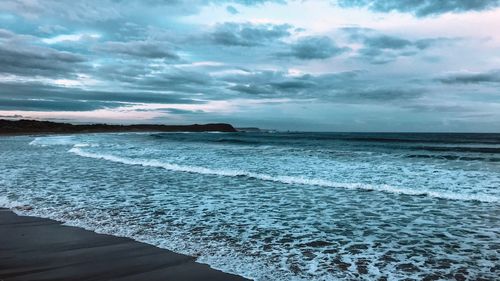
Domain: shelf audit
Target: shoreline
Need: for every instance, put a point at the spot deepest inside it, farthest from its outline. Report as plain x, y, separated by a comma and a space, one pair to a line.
34, 127
33, 248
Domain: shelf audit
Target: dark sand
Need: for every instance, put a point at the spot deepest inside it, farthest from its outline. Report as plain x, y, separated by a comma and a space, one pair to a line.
43, 249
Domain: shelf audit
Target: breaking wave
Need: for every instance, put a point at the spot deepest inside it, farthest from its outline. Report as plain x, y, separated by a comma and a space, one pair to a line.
284, 179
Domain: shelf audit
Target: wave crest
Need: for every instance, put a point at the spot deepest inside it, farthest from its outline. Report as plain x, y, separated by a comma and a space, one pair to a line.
55, 140
285, 179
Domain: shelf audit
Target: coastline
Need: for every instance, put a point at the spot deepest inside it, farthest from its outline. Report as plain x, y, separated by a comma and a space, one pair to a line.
33, 248
47, 127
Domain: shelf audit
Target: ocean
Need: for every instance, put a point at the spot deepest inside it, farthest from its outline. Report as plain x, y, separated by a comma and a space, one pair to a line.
276, 206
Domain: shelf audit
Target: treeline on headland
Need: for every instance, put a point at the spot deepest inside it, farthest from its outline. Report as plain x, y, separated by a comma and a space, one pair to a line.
35, 127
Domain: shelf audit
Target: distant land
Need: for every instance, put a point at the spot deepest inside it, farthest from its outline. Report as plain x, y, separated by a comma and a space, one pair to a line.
8, 127
254, 130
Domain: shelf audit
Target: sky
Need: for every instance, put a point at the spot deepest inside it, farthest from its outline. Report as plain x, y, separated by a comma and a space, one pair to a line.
306, 65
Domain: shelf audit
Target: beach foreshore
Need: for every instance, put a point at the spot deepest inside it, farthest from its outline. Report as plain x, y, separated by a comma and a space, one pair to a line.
34, 248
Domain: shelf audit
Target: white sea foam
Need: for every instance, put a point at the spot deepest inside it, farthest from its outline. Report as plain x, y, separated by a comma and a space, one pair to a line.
286, 179
9, 204
55, 140
245, 219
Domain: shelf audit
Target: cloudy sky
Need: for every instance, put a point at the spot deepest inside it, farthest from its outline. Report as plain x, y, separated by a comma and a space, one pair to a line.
311, 65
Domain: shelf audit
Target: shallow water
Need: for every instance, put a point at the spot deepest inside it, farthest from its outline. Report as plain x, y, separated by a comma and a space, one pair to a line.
277, 206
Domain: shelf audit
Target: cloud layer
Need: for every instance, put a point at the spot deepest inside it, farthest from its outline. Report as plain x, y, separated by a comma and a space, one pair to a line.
368, 65
422, 8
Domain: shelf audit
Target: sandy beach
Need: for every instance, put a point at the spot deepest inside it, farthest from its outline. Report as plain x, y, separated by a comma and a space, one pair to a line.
43, 249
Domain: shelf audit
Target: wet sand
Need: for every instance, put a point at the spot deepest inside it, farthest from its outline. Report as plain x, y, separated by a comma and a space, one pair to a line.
43, 249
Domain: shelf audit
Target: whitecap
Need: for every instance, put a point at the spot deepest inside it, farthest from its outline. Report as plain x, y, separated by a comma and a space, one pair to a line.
53, 140
287, 179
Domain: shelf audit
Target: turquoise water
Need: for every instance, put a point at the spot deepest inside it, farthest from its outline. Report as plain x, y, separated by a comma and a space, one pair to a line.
276, 206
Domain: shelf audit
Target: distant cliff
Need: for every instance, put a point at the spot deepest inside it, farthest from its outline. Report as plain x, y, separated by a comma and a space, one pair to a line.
35, 127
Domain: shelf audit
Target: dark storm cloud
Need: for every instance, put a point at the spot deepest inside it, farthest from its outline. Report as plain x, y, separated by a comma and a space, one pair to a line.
53, 105
37, 96
381, 48
141, 49
247, 34
422, 8
19, 55
492, 76
33, 60
314, 47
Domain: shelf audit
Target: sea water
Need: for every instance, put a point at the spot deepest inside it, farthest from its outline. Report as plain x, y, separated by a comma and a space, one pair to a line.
276, 206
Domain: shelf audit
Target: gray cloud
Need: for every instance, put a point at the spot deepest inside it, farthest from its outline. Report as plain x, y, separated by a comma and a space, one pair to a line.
76, 11
147, 52
21, 57
123, 71
252, 2
343, 87
437, 108
142, 49
4, 33
15, 116
232, 10
381, 48
99, 11
313, 47
53, 105
272, 83
177, 80
50, 29
181, 111
397, 43
492, 76
159, 77
247, 34
379, 94
281, 83
207, 2
387, 42
37, 96
422, 8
